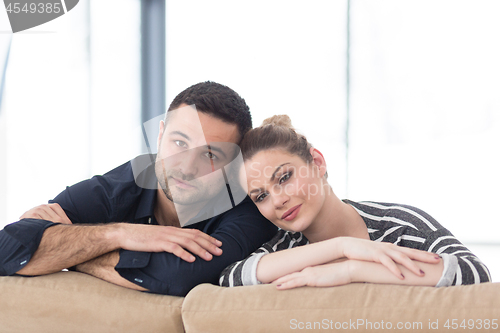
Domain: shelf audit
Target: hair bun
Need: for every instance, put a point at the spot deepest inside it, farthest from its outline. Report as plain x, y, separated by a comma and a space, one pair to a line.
279, 120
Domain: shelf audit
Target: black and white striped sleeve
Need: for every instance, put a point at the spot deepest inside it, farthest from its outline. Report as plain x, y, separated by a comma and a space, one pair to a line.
244, 272
411, 227
461, 265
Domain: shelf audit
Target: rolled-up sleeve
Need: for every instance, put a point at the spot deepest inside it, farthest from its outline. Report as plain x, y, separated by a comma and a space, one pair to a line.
165, 273
18, 243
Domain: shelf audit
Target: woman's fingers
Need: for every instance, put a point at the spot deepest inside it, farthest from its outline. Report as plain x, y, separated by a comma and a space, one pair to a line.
389, 263
291, 281
423, 256
408, 257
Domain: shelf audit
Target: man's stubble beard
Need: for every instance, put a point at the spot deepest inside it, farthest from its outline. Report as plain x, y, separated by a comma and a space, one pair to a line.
202, 191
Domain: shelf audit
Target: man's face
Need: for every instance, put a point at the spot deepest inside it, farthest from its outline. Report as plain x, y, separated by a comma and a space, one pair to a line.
192, 146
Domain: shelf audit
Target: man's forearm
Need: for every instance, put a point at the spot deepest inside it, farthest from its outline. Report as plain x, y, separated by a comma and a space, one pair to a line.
103, 267
64, 246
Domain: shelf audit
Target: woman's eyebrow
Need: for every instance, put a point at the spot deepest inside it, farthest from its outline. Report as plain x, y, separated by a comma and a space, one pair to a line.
255, 190
277, 169
272, 177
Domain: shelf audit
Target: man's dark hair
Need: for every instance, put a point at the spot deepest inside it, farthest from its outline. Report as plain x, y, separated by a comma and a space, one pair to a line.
218, 101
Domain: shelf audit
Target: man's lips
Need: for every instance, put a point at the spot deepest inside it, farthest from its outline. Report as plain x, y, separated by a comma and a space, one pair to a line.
181, 183
291, 213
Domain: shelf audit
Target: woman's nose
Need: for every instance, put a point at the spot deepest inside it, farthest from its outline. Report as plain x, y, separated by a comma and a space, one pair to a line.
280, 198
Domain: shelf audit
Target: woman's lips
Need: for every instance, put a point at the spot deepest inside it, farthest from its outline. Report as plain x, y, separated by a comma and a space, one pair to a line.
291, 213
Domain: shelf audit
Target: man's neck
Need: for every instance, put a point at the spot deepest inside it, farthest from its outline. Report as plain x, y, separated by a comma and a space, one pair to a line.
171, 214
165, 212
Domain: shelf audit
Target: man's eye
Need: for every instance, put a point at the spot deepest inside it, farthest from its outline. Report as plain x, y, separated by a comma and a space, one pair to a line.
180, 143
285, 177
260, 197
211, 155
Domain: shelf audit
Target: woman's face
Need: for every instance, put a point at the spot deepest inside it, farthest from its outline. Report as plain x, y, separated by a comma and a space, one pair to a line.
287, 190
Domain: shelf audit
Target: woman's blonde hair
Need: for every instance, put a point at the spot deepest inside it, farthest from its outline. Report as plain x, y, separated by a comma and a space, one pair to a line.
276, 132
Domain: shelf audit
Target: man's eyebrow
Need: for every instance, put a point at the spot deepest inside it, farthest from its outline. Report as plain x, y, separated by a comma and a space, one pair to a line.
210, 147
181, 134
217, 149
272, 177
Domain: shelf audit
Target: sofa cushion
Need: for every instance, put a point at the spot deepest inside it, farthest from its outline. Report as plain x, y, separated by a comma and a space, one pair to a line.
356, 307
76, 302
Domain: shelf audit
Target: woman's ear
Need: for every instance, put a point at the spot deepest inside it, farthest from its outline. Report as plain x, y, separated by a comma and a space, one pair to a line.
318, 160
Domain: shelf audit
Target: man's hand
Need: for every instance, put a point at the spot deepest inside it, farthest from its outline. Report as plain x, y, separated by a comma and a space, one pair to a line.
49, 212
178, 241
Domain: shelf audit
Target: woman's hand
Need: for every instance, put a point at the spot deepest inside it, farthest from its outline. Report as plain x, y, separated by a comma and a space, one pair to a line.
387, 254
339, 273
327, 275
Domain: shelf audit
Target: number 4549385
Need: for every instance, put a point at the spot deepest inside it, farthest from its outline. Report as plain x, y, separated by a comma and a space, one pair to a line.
47, 8
472, 324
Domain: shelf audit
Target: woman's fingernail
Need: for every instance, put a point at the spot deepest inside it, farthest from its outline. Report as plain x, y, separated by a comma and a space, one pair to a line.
437, 257
279, 285
422, 272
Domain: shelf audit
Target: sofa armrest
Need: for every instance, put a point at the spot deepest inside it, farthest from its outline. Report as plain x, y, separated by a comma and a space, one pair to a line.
357, 307
76, 302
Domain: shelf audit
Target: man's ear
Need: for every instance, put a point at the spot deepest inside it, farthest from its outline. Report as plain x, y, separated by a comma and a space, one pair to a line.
160, 135
318, 160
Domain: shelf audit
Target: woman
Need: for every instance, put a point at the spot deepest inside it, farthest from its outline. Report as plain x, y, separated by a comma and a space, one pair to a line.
346, 241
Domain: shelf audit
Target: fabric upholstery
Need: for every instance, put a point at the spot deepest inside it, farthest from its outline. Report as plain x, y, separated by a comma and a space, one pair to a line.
76, 302
263, 308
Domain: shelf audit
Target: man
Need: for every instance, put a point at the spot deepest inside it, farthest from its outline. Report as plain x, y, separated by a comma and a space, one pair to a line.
176, 208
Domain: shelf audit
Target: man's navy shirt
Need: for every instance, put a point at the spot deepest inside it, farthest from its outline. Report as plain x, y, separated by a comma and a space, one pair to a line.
115, 197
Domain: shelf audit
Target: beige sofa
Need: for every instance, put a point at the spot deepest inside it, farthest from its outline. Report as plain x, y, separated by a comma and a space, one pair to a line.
75, 302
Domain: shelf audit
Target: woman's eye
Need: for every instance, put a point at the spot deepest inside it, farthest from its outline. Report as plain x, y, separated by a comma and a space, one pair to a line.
180, 143
260, 197
285, 177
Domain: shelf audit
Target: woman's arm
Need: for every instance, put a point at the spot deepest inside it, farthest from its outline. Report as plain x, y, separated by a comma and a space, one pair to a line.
278, 264
349, 271
463, 267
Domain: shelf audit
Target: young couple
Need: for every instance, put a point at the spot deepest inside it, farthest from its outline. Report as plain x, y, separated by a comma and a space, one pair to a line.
169, 221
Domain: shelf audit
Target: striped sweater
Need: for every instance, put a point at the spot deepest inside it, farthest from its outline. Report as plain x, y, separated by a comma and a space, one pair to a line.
386, 222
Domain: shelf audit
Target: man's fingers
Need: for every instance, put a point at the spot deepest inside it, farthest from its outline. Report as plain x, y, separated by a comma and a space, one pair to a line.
49, 212
61, 213
200, 240
191, 246
179, 252
39, 213
200, 234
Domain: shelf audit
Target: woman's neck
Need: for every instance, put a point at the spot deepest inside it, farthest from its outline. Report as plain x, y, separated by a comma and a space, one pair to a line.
335, 219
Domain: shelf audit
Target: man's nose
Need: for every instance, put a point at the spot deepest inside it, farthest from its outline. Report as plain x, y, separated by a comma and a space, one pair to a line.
189, 163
